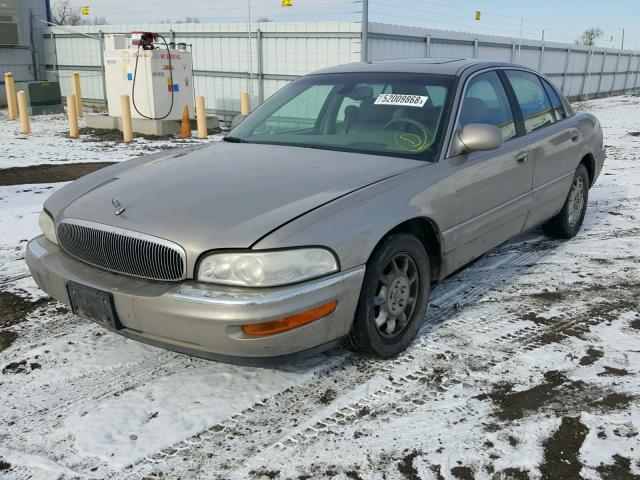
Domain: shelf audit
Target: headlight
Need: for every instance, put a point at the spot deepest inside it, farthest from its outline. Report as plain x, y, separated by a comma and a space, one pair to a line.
47, 227
266, 269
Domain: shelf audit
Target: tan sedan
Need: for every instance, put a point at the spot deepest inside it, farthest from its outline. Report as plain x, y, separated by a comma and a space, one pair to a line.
325, 216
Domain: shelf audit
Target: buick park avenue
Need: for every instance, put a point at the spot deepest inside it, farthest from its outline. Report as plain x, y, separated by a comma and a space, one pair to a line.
325, 216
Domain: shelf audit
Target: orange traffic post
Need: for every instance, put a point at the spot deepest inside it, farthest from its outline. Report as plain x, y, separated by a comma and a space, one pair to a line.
73, 116
10, 88
202, 118
245, 106
127, 126
185, 125
23, 109
75, 86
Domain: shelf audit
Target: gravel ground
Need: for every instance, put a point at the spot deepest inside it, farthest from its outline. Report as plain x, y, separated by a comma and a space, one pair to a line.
528, 367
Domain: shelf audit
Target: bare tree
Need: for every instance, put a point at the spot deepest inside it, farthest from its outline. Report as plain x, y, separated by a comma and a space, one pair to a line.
186, 20
100, 21
63, 13
95, 21
589, 37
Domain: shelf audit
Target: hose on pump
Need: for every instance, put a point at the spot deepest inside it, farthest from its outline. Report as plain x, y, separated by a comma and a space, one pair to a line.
135, 75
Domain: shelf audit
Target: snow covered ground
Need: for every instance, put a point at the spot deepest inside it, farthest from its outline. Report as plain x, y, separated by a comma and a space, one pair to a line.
49, 143
527, 367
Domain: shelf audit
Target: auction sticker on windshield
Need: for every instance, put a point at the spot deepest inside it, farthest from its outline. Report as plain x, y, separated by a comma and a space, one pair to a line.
402, 100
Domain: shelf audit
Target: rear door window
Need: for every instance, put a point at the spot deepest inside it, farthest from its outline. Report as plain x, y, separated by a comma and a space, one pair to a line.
532, 98
556, 103
485, 101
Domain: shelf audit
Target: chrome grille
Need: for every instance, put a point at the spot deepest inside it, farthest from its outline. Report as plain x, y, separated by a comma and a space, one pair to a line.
122, 251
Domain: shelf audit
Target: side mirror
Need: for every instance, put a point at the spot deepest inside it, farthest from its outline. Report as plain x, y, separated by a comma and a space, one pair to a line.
236, 121
477, 136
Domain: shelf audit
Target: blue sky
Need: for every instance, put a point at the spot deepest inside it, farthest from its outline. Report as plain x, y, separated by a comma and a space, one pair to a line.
562, 20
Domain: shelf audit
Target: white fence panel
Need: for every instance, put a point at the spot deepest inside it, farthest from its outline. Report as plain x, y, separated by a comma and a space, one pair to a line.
225, 56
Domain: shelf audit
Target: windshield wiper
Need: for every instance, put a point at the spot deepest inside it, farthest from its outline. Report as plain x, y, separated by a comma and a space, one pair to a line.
233, 139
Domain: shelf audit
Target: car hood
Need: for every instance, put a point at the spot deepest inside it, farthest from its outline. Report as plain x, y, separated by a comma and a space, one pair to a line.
225, 195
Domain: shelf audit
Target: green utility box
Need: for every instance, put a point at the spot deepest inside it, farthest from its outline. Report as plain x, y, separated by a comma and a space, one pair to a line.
44, 98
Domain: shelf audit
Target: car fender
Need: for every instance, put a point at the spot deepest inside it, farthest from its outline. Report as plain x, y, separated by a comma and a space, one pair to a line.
353, 225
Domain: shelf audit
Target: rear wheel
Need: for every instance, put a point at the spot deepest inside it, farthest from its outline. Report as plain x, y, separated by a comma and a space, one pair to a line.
567, 223
393, 298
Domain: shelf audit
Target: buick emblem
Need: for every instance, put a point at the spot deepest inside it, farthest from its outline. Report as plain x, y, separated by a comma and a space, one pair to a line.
117, 206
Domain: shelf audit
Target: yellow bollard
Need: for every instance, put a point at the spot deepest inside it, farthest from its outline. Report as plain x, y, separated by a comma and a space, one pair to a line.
75, 85
245, 107
72, 111
127, 129
202, 118
23, 109
10, 88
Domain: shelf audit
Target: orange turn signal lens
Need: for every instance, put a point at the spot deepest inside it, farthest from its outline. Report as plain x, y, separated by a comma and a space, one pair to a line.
287, 323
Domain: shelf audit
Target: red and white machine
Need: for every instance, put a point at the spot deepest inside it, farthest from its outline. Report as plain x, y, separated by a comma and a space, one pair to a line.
163, 77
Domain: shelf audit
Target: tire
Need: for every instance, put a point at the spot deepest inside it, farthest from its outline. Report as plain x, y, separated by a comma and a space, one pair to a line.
395, 291
567, 223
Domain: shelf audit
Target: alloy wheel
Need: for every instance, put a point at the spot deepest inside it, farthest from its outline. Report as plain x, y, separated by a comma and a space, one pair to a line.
576, 201
396, 295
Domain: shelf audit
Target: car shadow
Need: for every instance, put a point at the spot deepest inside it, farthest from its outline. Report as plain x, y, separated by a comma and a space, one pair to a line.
471, 283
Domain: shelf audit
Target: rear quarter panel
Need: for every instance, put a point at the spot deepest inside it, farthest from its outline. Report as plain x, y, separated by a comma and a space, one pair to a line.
594, 142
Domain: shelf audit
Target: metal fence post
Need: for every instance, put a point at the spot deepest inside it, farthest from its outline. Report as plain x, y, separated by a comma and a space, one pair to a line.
566, 69
613, 85
626, 73
604, 60
429, 45
34, 50
104, 81
364, 49
55, 55
540, 60
475, 48
513, 52
587, 72
260, 66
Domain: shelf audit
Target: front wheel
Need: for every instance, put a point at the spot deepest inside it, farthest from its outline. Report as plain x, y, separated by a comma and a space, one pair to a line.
567, 223
393, 299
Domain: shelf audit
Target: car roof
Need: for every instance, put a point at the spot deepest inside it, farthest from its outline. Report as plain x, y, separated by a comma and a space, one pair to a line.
434, 65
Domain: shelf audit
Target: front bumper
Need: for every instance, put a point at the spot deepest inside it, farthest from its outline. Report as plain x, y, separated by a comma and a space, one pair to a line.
202, 319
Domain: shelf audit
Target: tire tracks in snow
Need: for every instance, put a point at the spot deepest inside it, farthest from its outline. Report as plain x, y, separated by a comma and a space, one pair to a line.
363, 383
82, 390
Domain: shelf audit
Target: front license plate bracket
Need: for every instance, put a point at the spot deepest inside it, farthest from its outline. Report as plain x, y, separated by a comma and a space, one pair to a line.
93, 304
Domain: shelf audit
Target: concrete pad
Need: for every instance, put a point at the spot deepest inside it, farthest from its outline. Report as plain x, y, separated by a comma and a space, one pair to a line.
144, 126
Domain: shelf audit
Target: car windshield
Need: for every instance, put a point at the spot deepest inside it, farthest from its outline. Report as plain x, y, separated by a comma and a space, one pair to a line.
398, 114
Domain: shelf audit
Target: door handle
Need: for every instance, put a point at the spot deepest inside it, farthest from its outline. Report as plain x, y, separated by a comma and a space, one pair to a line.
575, 135
522, 158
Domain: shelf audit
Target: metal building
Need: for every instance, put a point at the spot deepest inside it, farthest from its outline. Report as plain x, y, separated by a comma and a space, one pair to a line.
21, 40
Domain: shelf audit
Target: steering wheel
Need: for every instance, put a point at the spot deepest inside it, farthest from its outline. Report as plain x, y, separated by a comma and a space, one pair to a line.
411, 142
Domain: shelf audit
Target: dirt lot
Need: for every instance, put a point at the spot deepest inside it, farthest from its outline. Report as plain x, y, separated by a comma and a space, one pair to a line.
48, 173
526, 368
